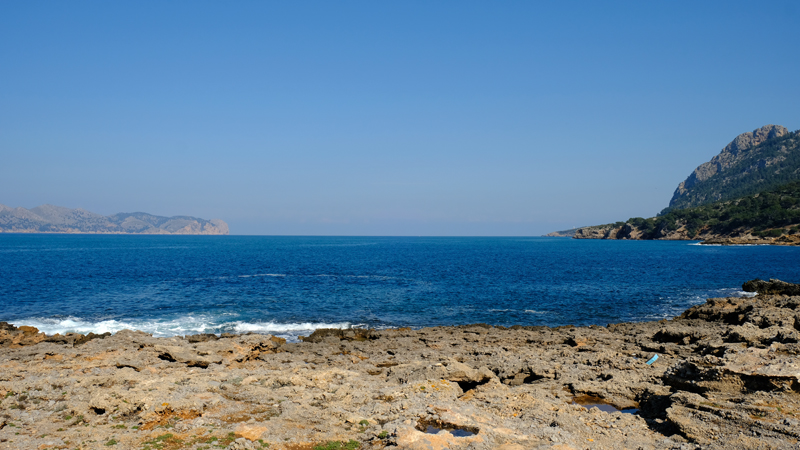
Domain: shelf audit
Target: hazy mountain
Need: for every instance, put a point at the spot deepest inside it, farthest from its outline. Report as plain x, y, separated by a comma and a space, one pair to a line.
57, 219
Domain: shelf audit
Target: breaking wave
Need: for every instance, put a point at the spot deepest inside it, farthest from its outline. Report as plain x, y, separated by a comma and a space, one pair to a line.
178, 326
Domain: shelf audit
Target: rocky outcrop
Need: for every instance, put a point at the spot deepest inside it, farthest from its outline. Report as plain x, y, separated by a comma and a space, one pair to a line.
743, 236
628, 231
771, 287
734, 161
599, 232
726, 377
57, 219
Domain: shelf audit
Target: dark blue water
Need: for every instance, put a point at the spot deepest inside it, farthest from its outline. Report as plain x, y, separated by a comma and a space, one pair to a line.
170, 285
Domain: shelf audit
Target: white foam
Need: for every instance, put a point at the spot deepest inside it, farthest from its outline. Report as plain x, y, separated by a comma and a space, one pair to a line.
177, 326
162, 328
282, 328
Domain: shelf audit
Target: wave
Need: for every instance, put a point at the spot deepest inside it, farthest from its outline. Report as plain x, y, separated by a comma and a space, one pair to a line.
261, 275
178, 326
374, 277
255, 275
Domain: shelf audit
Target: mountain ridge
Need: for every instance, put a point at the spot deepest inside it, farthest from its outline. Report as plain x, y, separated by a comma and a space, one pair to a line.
58, 219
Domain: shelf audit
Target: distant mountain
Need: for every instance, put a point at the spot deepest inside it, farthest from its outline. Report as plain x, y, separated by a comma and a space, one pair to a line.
57, 219
753, 162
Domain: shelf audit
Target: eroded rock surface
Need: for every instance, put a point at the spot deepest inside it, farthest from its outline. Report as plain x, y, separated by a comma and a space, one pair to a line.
727, 376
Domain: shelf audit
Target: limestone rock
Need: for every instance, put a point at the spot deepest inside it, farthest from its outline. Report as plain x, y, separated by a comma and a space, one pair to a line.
726, 378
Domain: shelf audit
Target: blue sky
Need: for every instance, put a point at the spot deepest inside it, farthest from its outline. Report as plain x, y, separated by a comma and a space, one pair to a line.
383, 118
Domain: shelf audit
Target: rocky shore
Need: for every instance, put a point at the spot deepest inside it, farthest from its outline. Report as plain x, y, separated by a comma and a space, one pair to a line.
727, 376
627, 232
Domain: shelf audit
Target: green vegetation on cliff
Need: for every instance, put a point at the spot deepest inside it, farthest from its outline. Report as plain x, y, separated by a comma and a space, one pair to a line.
767, 213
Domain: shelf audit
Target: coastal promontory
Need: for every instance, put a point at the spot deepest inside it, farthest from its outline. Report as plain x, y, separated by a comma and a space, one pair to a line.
747, 194
57, 219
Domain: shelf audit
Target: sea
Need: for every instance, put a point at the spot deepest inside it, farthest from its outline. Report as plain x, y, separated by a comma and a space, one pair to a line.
291, 285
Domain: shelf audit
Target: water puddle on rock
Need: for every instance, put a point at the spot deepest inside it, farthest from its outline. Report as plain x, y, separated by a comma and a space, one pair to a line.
589, 402
436, 427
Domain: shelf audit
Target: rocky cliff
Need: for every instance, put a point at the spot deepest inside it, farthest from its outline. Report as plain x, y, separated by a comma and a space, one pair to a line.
754, 161
57, 219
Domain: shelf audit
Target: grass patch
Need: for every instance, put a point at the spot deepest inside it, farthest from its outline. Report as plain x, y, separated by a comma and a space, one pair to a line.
337, 445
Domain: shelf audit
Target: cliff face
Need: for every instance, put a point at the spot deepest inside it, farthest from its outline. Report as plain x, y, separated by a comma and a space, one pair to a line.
745, 166
57, 219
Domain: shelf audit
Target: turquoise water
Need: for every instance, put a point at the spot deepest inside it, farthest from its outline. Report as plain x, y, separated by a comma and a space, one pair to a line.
176, 285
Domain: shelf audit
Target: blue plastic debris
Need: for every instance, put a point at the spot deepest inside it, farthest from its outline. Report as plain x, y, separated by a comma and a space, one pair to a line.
652, 360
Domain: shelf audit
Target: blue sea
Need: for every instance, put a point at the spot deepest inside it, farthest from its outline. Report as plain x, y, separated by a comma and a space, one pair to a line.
289, 286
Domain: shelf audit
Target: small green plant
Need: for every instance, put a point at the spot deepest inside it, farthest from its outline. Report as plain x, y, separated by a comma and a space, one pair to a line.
159, 441
111, 442
383, 434
336, 445
364, 423
120, 426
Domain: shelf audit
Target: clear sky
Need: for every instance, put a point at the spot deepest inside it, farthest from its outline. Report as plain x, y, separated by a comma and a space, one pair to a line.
383, 118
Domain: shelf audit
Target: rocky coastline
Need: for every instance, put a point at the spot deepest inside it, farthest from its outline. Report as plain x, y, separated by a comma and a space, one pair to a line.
727, 375
628, 232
